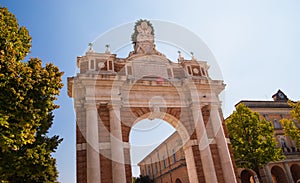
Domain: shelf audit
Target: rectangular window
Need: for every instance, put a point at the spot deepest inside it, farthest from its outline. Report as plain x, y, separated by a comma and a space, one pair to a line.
174, 157
203, 71
149, 170
170, 75
189, 70
129, 70
92, 65
110, 66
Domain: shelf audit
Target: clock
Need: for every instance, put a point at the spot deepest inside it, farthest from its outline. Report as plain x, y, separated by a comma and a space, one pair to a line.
281, 96
196, 71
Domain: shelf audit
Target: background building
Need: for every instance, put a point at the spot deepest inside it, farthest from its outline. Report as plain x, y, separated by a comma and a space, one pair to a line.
166, 163
288, 170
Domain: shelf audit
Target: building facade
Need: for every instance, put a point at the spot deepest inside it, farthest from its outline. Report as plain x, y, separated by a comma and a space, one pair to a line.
166, 163
111, 94
288, 170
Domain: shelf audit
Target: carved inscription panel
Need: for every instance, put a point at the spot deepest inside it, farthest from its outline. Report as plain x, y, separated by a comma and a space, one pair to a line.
154, 69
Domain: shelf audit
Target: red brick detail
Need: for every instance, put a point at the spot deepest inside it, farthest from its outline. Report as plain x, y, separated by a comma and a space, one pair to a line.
104, 124
128, 173
232, 160
106, 169
79, 137
174, 111
217, 163
198, 163
205, 114
139, 111
81, 166
125, 132
194, 135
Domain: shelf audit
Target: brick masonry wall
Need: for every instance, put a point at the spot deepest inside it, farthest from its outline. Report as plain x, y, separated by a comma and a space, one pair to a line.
81, 166
217, 162
198, 163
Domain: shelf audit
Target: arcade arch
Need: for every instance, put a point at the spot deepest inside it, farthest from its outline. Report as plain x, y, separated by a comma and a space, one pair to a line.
247, 176
295, 171
278, 175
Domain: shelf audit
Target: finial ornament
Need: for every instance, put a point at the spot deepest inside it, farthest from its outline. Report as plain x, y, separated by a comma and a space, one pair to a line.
107, 50
180, 58
193, 56
91, 47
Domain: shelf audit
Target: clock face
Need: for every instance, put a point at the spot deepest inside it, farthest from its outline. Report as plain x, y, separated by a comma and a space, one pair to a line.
281, 95
196, 71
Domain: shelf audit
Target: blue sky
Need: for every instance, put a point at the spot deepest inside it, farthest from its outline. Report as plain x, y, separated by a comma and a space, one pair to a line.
256, 44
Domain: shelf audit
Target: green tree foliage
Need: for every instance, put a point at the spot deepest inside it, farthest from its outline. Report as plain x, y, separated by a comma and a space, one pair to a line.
27, 94
142, 179
290, 125
252, 139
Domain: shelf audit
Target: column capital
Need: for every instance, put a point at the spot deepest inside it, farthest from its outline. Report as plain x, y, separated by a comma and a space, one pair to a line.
202, 104
89, 105
215, 105
189, 144
195, 105
114, 104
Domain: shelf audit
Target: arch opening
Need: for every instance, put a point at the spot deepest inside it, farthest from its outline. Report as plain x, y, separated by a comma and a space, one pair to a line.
295, 170
178, 181
144, 137
247, 176
278, 175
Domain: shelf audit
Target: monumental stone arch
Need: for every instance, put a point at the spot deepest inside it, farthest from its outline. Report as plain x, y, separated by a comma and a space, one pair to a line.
111, 94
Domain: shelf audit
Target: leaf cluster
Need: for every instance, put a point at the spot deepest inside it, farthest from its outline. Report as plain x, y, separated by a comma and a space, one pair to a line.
252, 139
27, 94
291, 126
142, 179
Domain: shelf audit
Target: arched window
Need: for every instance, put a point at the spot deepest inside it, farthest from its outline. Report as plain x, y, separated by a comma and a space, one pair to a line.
295, 170
149, 170
174, 156
178, 181
278, 175
277, 125
248, 176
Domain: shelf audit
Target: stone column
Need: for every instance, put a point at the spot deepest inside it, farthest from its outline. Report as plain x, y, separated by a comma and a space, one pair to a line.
203, 143
288, 171
190, 164
268, 173
225, 158
117, 149
93, 161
